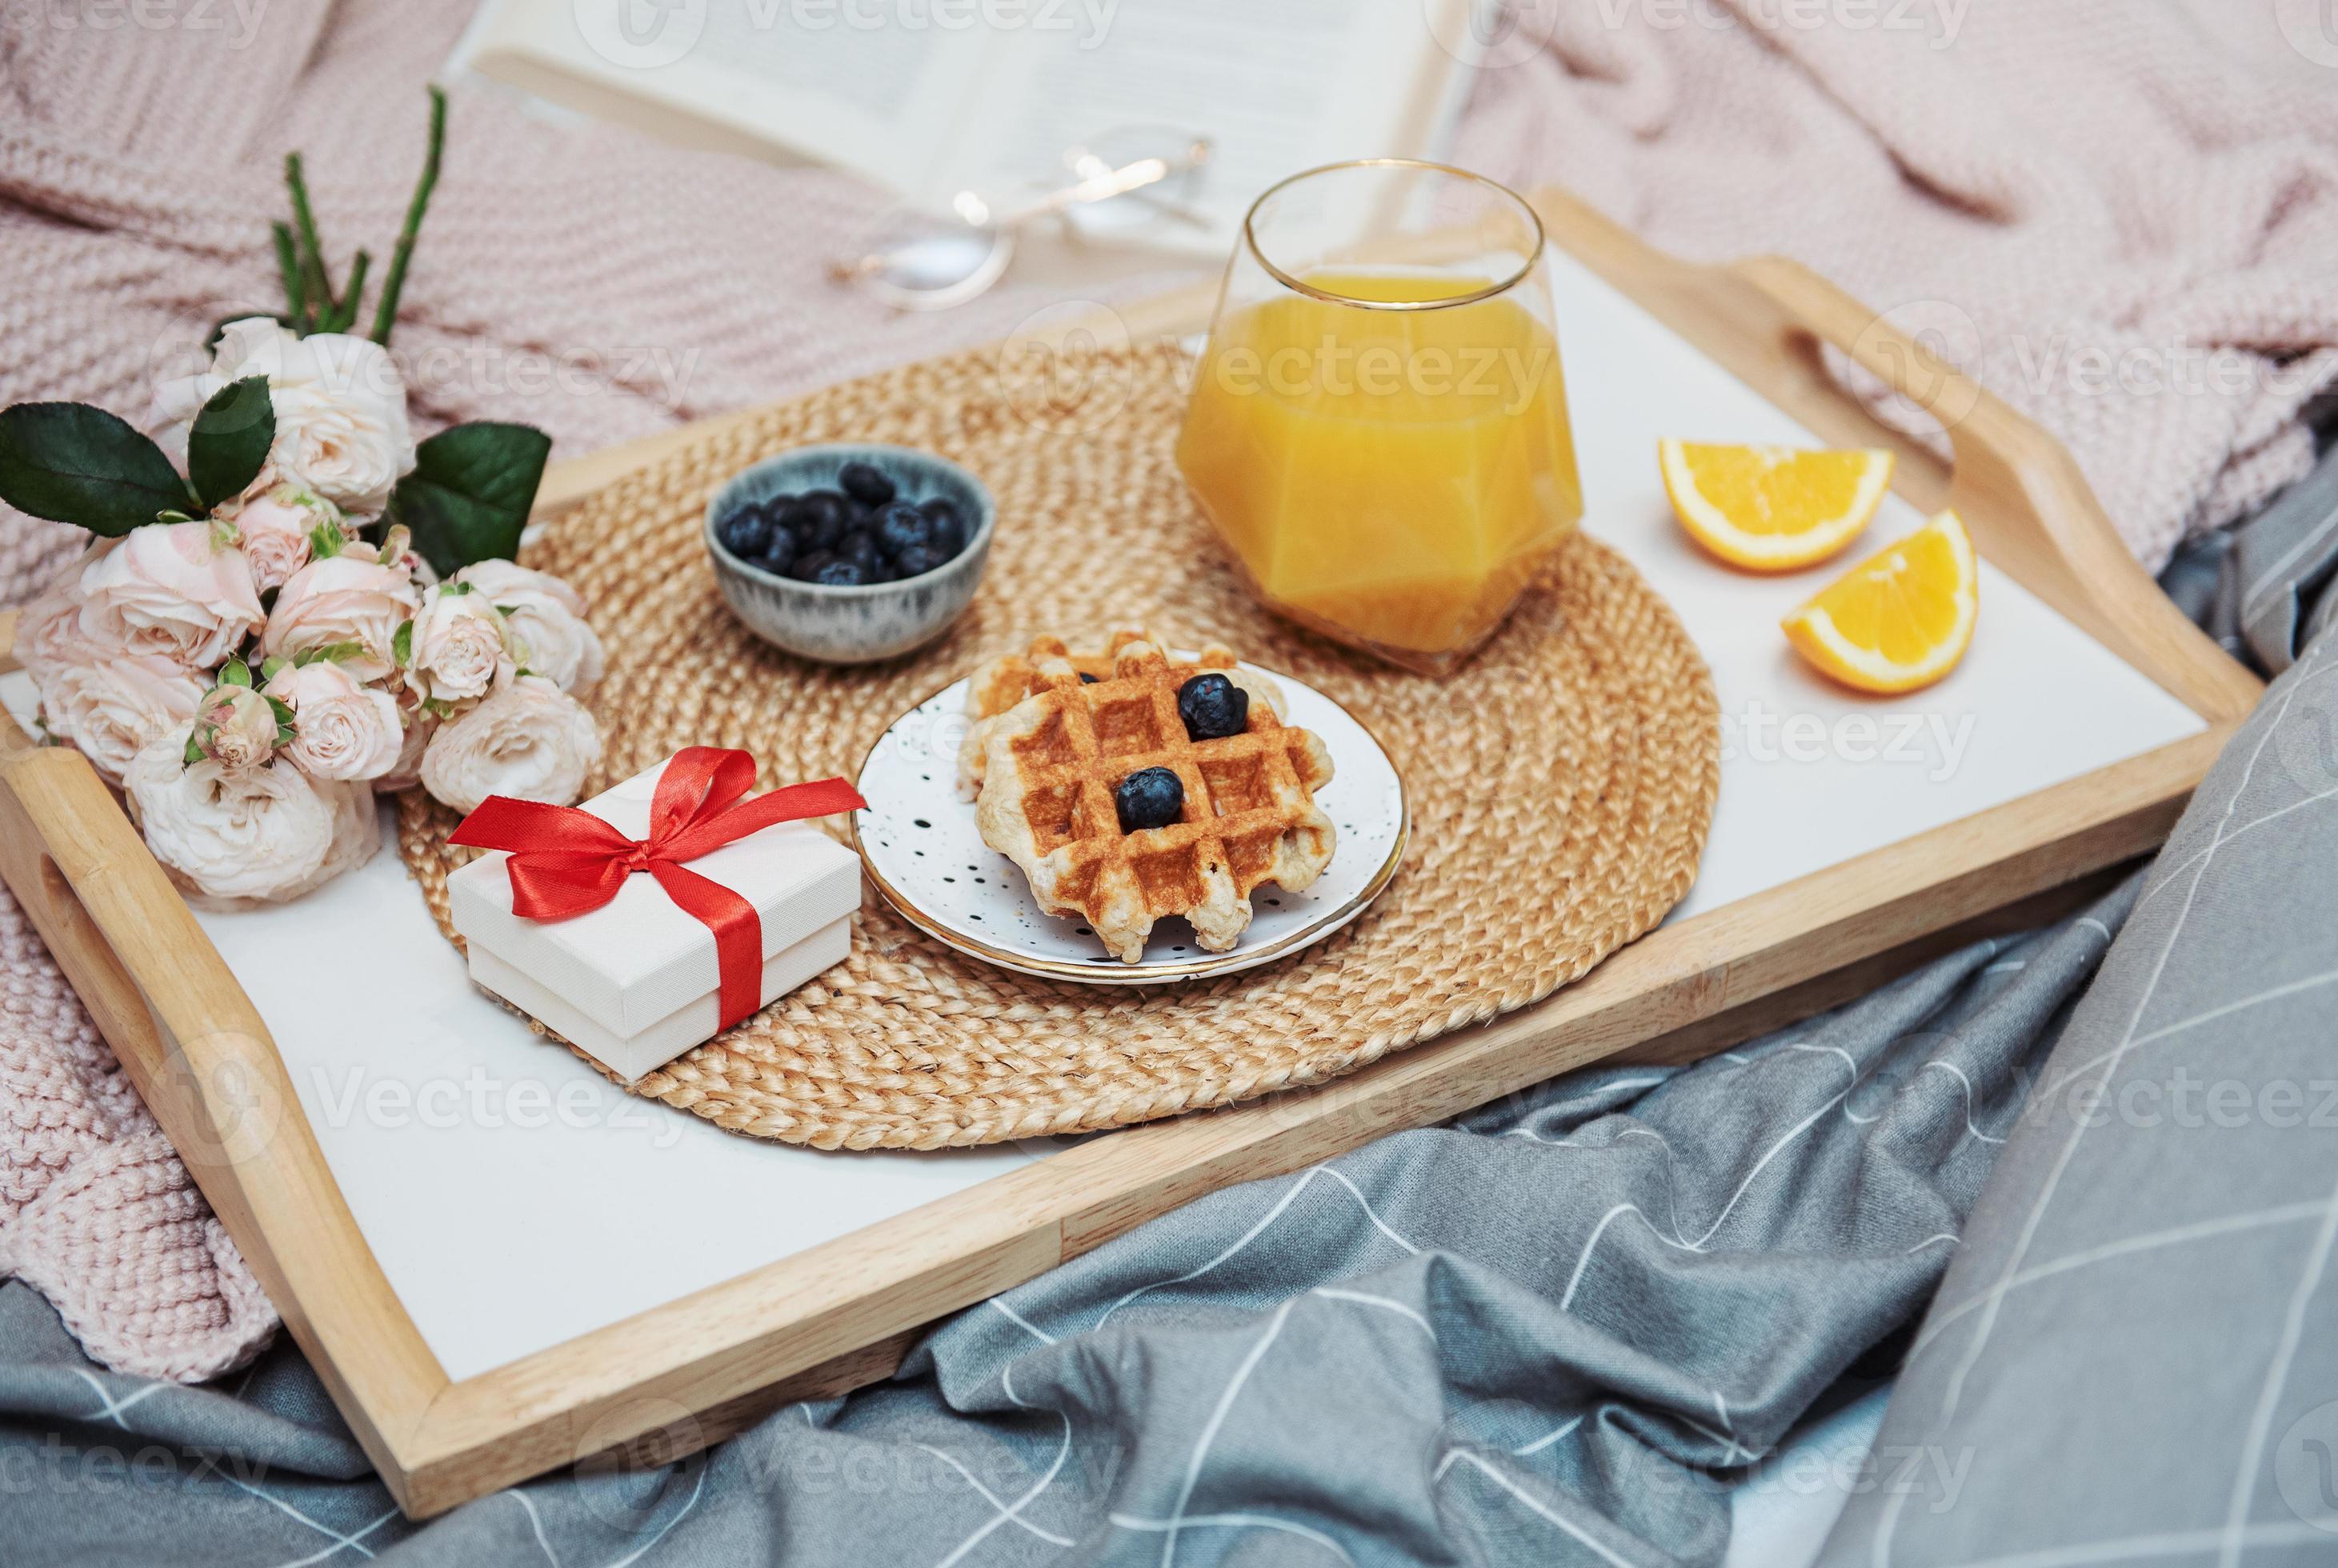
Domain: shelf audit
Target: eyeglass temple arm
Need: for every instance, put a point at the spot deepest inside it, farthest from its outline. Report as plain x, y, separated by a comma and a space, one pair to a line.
1114, 182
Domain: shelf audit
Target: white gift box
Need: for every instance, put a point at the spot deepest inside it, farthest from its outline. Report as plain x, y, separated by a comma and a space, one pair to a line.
635, 983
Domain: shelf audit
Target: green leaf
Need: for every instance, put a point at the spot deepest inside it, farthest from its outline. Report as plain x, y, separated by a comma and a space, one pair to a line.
194, 751
401, 644
282, 710
469, 494
72, 463
273, 665
229, 445
334, 652
235, 672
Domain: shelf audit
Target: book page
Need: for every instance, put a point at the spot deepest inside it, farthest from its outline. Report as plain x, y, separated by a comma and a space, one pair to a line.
843, 82
1278, 87
931, 97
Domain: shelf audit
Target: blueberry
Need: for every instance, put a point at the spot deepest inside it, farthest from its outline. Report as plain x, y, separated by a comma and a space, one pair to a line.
949, 531
901, 525
839, 573
745, 533
1087, 678
820, 518
805, 565
917, 561
1213, 707
859, 548
866, 482
1149, 797
779, 553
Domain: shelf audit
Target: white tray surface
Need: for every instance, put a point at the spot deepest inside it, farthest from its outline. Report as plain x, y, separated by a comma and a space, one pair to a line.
503, 1239
1813, 775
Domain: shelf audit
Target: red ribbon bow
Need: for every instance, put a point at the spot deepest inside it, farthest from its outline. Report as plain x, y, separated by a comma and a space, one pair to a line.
564, 861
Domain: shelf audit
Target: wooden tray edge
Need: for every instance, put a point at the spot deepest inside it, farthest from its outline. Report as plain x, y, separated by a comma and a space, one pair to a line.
695, 1369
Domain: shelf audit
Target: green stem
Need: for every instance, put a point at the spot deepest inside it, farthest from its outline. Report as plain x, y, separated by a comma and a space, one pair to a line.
384, 315
287, 263
312, 260
345, 309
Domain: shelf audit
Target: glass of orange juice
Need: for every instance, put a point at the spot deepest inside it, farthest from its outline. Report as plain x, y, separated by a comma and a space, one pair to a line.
1378, 425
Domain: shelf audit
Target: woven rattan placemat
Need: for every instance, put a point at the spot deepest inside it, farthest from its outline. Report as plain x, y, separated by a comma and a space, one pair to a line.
1561, 785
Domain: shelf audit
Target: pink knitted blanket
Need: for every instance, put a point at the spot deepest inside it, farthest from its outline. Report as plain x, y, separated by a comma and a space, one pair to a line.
2123, 221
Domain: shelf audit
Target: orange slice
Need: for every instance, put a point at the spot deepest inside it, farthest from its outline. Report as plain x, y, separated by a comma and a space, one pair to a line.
1898, 620
1772, 508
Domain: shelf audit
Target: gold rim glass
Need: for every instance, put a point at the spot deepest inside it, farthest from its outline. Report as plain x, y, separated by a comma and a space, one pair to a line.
1377, 429
1502, 221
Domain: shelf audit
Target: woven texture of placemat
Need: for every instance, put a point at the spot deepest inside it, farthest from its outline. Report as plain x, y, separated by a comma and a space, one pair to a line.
1561, 784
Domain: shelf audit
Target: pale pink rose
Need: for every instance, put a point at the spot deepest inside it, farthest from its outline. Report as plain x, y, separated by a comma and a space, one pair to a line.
172, 590
110, 705
274, 529
459, 650
229, 833
342, 729
356, 828
546, 621
339, 405
236, 728
407, 772
531, 741
236, 839
347, 598
48, 629
419, 724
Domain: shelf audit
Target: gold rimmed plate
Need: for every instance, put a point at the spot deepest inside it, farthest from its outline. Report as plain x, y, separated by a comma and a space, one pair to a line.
926, 858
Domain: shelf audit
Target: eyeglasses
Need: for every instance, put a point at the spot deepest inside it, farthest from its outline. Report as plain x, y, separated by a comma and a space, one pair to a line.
1124, 182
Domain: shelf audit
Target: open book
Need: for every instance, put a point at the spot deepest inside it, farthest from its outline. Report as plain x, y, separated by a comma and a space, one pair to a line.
931, 97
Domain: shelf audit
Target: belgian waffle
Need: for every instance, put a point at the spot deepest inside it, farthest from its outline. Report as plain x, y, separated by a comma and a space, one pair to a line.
1051, 764
1002, 683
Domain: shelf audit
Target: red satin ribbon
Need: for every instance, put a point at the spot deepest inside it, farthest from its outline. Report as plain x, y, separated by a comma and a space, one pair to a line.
564, 861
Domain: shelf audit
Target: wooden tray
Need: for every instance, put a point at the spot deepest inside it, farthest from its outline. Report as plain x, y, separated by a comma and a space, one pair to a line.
693, 1369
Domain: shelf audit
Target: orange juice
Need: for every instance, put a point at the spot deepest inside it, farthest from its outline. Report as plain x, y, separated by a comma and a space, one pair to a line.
1394, 478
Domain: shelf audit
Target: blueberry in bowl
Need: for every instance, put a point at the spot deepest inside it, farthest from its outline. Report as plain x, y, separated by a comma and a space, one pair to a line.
849, 553
867, 484
747, 532
901, 526
948, 525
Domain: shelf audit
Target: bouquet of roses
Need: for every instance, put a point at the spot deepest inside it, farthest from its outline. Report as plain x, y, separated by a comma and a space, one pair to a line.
288, 604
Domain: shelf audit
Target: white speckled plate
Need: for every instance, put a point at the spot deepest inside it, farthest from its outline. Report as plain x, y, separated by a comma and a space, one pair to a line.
928, 859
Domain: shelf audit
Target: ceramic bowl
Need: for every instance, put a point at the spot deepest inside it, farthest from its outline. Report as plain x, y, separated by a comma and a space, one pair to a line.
852, 625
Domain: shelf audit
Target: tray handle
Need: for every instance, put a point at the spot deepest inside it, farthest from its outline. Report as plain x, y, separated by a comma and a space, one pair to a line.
203, 1061
2029, 507
2028, 502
